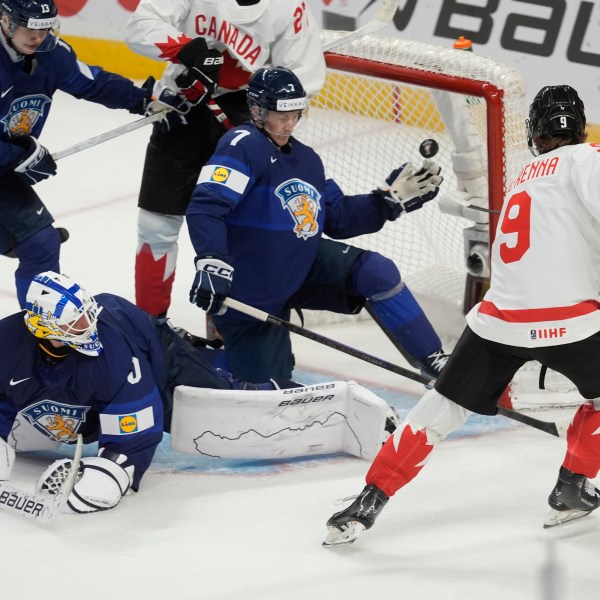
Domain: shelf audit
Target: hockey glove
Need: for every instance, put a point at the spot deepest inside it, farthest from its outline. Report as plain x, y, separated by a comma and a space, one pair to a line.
36, 164
160, 98
101, 481
199, 81
411, 188
212, 284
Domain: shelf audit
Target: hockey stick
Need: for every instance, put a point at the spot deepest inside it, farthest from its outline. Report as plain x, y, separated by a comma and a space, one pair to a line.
384, 17
548, 427
109, 135
42, 508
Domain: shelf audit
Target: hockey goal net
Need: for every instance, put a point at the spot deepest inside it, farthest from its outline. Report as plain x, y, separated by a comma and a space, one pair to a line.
382, 98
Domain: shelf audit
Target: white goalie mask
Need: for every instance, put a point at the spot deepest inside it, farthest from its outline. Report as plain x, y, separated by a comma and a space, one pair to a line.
59, 309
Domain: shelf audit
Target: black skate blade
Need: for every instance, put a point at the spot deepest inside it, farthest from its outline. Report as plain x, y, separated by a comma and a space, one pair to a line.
336, 537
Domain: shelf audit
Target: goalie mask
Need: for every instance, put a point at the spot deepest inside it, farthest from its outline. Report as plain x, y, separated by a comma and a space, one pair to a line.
32, 14
555, 110
276, 89
58, 309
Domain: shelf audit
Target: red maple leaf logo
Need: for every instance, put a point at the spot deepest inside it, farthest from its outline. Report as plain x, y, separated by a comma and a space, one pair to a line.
171, 47
395, 466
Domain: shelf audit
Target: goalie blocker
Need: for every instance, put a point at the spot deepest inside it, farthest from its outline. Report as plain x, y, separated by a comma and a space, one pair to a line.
326, 418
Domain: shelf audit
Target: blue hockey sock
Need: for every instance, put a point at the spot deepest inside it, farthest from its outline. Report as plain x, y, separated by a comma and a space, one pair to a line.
404, 321
36, 254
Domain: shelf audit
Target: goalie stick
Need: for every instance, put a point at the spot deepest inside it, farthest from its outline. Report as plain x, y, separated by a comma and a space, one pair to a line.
553, 428
41, 507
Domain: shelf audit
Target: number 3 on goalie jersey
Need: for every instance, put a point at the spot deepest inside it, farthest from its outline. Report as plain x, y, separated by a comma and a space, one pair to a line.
517, 219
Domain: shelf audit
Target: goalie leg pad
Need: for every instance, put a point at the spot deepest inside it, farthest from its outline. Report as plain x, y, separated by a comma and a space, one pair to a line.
326, 418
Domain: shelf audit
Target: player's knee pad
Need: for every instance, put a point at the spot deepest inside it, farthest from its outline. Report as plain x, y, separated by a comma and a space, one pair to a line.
158, 231
376, 277
437, 416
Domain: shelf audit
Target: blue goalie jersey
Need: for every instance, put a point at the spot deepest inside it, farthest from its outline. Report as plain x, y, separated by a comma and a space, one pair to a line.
113, 398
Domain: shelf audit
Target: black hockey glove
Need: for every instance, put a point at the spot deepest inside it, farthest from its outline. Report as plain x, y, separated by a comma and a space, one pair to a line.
410, 188
212, 283
199, 82
36, 164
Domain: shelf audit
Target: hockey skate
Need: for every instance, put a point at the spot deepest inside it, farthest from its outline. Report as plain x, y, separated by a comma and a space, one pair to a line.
432, 365
573, 497
345, 526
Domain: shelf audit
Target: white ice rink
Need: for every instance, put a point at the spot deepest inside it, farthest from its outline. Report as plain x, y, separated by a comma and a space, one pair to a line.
468, 528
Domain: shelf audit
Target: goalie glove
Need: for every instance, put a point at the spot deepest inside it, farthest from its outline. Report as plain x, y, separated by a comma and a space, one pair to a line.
212, 283
411, 188
101, 481
36, 164
199, 81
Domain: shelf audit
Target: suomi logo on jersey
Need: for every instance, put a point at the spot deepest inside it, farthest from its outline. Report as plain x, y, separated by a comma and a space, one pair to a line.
56, 420
23, 114
303, 202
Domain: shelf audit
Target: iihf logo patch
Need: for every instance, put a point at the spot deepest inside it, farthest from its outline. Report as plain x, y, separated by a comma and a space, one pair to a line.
55, 420
533, 334
23, 114
303, 202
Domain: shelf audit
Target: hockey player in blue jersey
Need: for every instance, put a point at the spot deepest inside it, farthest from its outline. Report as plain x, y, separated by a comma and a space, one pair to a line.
256, 220
99, 367
34, 64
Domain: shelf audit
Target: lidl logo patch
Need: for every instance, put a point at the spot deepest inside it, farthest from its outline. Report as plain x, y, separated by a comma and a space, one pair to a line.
128, 423
220, 175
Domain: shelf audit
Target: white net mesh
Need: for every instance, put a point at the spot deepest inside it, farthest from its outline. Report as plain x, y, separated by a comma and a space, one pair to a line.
366, 125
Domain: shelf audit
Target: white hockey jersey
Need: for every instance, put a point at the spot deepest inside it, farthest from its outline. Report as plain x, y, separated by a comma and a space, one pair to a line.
270, 33
545, 281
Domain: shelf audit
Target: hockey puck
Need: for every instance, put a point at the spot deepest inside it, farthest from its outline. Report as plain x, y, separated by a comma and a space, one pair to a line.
428, 148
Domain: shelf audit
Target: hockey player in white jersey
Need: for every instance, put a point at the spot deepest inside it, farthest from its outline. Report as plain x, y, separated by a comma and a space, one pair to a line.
542, 305
211, 48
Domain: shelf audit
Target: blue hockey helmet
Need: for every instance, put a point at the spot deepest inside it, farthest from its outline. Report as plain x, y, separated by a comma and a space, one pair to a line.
33, 14
556, 110
59, 309
276, 89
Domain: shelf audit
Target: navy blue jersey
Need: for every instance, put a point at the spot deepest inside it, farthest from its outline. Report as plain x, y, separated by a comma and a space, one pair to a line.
265, 210
25, 98
113, 398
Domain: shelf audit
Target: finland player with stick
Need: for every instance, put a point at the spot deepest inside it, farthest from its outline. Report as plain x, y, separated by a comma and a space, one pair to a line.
211, 48
34, 64
101, 367
542, 305
257, 220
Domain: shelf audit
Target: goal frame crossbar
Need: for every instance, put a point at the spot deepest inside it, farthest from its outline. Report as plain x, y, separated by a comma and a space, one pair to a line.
492, 95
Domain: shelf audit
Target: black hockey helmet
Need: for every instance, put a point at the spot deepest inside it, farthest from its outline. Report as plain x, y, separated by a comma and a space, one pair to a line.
33, 14
555, 110
277, 89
